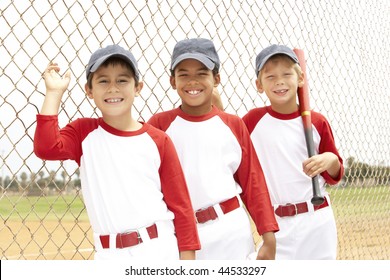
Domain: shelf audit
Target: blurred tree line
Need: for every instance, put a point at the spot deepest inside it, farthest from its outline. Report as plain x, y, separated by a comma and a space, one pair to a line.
356, 174
362, 174
41, 183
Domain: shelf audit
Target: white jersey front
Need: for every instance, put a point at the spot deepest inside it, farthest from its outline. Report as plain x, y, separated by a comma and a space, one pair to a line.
280, 144
129, 179
281, 147
220, 163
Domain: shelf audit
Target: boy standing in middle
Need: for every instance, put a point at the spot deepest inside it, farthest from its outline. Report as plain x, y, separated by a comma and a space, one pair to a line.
218, 159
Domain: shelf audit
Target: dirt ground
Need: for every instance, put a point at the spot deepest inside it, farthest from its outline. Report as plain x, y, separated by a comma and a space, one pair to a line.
46, 241
71, 241
359, 240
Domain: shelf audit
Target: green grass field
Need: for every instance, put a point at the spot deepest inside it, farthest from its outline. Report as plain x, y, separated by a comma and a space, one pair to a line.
346, 201
381, 193
50, 208
36, 224
360, 201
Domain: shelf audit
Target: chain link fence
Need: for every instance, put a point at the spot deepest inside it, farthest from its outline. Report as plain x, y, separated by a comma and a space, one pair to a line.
347, 51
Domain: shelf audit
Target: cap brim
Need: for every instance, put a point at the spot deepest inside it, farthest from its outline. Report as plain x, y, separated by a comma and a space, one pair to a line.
273, 54
200, 57
103, 59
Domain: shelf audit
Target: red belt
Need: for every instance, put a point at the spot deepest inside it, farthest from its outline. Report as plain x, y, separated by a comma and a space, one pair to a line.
208, 214
128, 239
289, 210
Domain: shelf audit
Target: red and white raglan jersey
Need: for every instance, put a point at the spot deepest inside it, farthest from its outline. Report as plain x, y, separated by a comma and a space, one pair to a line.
280, 144
129, 179
219, 161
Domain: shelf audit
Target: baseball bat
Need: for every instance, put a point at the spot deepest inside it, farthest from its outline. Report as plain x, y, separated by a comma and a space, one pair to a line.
304, 109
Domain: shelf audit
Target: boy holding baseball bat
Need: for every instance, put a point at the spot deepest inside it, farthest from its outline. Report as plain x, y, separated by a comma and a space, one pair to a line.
307, 231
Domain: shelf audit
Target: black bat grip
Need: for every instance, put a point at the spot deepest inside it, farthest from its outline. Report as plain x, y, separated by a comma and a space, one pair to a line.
317, 199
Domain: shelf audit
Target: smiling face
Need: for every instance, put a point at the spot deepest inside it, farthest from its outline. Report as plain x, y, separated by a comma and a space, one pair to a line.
113, 89
279, 79
194, 83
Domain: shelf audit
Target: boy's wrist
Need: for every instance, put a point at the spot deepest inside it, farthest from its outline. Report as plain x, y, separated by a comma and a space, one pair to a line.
187, 255
52, 102
54, 93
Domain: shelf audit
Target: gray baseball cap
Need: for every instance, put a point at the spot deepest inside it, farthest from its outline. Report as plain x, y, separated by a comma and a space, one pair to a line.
270, 51
101, 55
200, 49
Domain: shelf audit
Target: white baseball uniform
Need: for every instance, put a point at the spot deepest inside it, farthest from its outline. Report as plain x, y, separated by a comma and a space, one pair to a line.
130, 181
281, 147
220, 163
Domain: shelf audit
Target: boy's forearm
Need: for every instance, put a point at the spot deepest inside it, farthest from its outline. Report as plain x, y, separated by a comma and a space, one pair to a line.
269, 239
187, 255
268, 249
216, 99
334, 169
55, 88
51, 104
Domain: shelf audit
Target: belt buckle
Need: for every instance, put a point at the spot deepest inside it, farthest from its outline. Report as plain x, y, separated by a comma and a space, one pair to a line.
207, 209
196, 217
121, 235
295, 208
138, 236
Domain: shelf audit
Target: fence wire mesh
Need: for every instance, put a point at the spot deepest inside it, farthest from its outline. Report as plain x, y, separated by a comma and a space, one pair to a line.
347, 51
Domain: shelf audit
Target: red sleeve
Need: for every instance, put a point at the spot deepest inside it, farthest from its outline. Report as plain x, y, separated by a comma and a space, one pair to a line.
327, 144
253, 117
163, 120
176, 195
52, 143
251, 178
